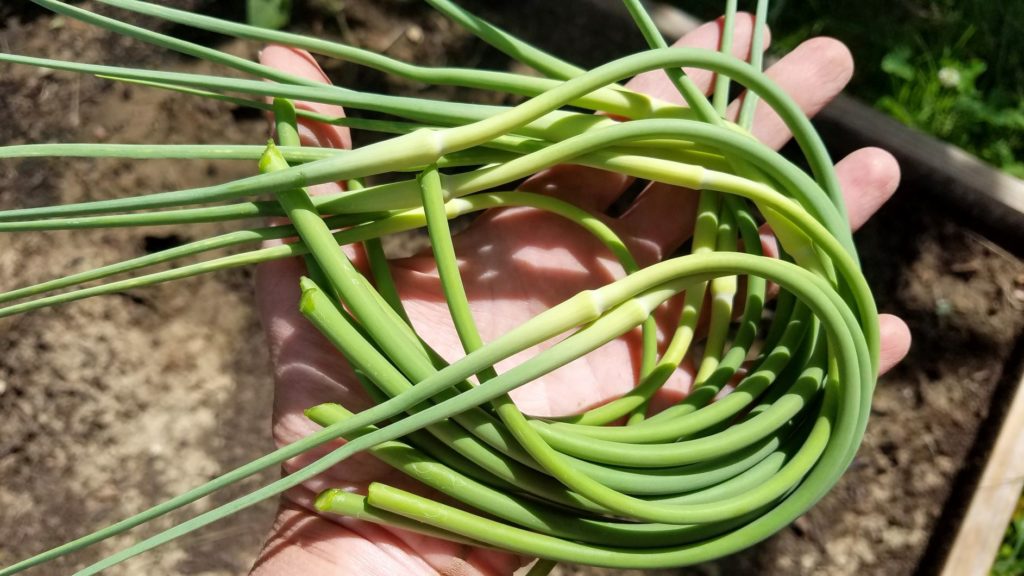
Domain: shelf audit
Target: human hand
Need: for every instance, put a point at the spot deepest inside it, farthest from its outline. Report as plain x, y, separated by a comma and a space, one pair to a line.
515, 263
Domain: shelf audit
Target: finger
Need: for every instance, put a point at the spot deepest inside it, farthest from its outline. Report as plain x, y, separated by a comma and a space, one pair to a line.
812, 74
662, 216
595, 190
895, 341
868, 178
301, 63
311, 133
707, 36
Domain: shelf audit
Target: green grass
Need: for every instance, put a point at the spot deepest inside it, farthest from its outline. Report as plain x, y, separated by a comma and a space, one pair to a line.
1010, 560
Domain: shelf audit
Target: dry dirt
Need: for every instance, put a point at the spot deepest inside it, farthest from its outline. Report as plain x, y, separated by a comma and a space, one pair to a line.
112, 404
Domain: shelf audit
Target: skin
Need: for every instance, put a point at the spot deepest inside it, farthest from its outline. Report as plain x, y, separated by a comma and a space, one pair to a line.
515, 263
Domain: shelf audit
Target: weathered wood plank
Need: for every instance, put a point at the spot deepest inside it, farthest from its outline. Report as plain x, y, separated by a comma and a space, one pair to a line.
994, 500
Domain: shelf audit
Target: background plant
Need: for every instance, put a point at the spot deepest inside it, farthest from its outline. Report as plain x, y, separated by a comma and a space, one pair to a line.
269, 13
947, 67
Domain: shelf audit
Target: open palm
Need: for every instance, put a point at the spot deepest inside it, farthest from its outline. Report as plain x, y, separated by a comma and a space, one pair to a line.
515, 263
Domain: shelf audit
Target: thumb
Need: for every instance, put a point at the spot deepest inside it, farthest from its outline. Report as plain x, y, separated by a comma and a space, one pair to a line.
301, 63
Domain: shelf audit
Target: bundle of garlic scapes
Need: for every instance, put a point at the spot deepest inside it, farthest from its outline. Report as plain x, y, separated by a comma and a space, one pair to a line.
616, 485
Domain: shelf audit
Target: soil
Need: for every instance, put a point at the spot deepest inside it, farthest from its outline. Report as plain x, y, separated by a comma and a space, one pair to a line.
115, 403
